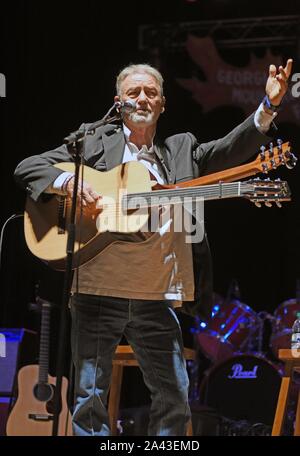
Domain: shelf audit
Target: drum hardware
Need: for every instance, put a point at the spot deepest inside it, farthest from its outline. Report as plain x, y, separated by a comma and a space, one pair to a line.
254, 342
244, 428
263, 316
208, 422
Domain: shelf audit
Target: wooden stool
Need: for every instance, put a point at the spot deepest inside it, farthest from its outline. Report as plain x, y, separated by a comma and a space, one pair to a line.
124, 356
291, 362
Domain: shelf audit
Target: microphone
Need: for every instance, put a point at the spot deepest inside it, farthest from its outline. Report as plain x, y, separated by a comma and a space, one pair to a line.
125, 106
120, 106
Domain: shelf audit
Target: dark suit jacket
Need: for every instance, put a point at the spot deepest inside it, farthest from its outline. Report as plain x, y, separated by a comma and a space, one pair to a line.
182, 158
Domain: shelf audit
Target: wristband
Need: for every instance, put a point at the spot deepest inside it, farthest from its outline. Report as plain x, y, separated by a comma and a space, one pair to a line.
267, 103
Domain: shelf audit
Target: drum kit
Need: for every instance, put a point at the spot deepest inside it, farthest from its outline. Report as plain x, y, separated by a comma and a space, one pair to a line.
243, 381
235, 328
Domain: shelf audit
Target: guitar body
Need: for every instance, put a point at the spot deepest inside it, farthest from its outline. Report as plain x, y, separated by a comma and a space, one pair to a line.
46, 223
20, 421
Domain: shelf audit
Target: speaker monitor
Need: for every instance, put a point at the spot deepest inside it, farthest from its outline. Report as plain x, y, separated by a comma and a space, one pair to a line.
18, 347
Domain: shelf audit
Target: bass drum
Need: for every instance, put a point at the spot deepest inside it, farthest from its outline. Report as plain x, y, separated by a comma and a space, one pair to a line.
245, 387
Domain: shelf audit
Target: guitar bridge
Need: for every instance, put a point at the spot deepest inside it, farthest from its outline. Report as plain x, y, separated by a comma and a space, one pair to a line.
40, 417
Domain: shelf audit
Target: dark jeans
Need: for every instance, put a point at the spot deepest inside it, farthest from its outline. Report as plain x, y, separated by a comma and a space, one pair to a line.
153, 331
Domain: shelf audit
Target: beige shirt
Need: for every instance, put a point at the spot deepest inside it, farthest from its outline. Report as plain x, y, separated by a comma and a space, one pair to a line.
156, 268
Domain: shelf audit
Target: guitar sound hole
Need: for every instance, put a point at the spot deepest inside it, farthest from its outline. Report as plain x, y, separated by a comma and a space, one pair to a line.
43, 392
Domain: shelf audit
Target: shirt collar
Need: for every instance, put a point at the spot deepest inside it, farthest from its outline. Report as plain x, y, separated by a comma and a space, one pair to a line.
127, 133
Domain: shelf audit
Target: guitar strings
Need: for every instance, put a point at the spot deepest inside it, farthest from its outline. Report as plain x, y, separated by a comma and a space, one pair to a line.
213, 192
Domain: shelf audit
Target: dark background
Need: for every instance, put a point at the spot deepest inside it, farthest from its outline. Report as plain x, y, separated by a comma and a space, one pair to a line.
60, 60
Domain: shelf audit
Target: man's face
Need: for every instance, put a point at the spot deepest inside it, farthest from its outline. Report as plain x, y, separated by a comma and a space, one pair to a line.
144, 89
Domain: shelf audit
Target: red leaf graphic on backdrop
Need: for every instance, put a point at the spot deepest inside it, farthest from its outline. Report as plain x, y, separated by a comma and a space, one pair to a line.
226, 84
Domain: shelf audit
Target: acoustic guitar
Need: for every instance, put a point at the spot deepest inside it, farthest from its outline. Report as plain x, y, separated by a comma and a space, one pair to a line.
32, 414
127, 194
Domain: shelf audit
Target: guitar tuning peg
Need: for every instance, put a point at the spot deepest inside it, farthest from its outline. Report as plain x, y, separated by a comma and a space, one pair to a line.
278, 179
271, 149
279, 142
262, 152
257, 204
268, 204
278, 204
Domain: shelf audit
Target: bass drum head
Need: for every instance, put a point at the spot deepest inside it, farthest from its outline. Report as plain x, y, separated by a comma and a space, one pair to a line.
244, 387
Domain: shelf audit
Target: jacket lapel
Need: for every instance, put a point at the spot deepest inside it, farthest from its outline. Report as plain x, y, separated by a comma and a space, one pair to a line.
166, 161
113, 143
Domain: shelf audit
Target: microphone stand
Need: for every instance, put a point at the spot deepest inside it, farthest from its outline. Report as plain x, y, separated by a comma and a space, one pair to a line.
75, 143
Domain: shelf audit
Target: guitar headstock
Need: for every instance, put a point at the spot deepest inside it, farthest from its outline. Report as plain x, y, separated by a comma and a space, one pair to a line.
274, 156
266, 191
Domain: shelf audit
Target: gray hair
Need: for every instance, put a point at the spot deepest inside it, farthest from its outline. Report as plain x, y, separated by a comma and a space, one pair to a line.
139, 68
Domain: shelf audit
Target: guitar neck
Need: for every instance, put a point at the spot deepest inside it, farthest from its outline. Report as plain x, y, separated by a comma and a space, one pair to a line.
44, 343
207, 192
228, 175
